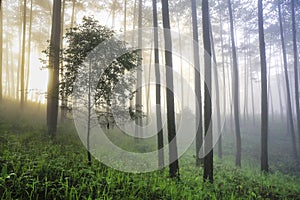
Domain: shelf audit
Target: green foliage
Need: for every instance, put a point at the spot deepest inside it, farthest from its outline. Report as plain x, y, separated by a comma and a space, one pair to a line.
83, 45
32, 166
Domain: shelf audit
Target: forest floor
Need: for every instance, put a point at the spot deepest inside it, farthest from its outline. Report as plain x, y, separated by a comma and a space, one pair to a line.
34, 166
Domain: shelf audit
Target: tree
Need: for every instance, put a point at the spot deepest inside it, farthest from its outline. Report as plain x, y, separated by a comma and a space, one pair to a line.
83, 43
138, 97
160, 139
173, 154
235, 89
295, 52
287, 84
23, 58
208, 149
64, 100
264, 91
53, 67
28, 51
81, 40
1, 47
199, 133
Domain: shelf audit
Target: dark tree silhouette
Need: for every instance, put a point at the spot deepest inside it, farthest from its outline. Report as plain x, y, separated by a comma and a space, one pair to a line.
1, 48
173, 154
264, 91
208, 149
53, 85
295, 52
199, 133
287, 84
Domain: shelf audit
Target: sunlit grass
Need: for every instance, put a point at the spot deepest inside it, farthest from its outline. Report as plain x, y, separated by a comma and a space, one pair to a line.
33, 166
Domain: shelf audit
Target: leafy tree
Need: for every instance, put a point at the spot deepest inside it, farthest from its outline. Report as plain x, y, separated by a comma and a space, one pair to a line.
82, 40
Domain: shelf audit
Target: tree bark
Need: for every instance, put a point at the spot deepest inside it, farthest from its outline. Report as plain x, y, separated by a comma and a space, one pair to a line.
1, 48
173, 154
53, 85
208, 149
264, 91
295, 52
198, 100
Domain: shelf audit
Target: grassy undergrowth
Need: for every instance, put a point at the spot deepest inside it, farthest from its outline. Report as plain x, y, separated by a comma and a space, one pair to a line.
35, 167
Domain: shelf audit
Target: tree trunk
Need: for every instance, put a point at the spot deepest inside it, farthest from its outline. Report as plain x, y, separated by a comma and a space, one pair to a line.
125, 18
160, 139
53, 85
235, 90
28, 53
173, 154
73, 13
89, 118
264, 91
64, 97
208, 149
217, 91
295, 51
23, 58
138, 97
1, 48
198, 101
289, 105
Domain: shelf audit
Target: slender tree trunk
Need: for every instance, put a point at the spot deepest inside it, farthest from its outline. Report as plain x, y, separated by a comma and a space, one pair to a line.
160, 139
235, 90
208, 149
264, 91
73, 13
173, 154
295, 51
64, 97
1, 48
12, 73
23, 58
223, 68
28, 53
252, 93
198, 101
53, 85
8, 81
89, 119
246, 114
280, 96
125, 18
138, 97
217, 91
289, 105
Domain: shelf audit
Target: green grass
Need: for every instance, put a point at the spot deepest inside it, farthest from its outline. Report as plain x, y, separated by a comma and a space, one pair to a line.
33, 166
